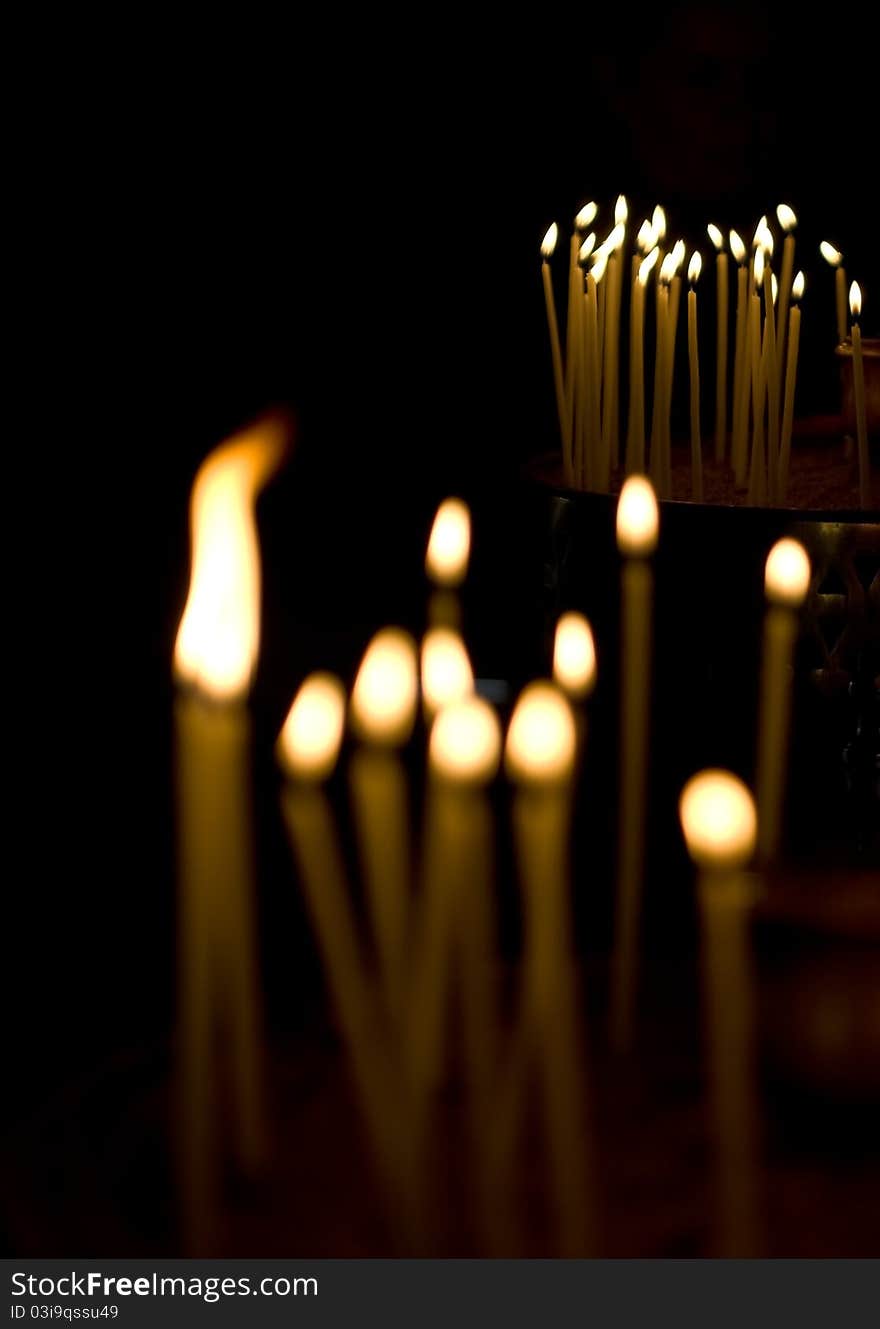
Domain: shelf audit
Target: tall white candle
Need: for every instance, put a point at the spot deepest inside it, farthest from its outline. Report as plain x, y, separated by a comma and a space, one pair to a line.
794, 334
721, 320
548, 245
855, 305
694, 364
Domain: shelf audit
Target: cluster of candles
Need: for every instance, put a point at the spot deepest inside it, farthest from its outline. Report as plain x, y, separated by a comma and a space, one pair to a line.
754, 413
215, 657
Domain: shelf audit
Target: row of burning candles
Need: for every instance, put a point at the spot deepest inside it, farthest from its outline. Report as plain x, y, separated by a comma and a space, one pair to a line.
215, 658
761, 405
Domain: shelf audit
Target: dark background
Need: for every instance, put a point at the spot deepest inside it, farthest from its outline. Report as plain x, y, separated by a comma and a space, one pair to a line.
347, 221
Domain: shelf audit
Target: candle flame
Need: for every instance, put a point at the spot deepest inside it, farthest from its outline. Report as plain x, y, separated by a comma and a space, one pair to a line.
638, 518
716, 236
600, 263
465, 742
383, 700
541, 738
446, 669
309, 742
647, 266
695, 267
219, 635
759, 266
587, 248
574, 655
737, 247
787, 573
586, 216
658, 222
797, 287
759, 230
855, 299
548, 244
719, 821
621, 210
645, 238
679, 252
449, 545
774, 287
667, 268
764, 239
830, 254
787, 217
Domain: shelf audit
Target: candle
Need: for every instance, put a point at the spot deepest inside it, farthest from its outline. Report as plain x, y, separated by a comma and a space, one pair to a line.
667, 268
635, 441
770, 379
788, 221
694, 363
721, 280
215, 656
548, 245
786, 581
740, 363
583, 455
308, 744
574, 656
611, 350
637, 530
383, 708
677, 255
446, 561
794, 334
855, 305
621, 215
758, 461
834, 258
574, 334
594, 279
718, 819
446, 670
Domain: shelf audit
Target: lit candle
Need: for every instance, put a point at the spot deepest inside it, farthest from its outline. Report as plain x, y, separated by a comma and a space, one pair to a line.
611, 349
770, 379
446, 670
548, 245
677, 254
621, 215
718, 819
597, 465
383, 709
721, 280
446, 561
637, 530
574, 656
794, 334
583, 450
215, 657
855, 305
834, 258
758, 459
694, 363
635, 441
574, 333
738, 447
786, 582
658, 412
788, 221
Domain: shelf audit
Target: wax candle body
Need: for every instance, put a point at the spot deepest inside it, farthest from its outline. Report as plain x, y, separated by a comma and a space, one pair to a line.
780, 633
635, 439
794, 333
861, 418
694, 362
840, 301
740, 378
558, 381
722, 283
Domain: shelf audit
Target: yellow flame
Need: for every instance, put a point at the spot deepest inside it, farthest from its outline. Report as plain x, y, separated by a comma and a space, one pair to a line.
695, 267
715, 236
600, 263
759, 266
647, 265
574, 655
541, 738
830, 254
449, 545
218, 640
787, 573
616, 238
787, 217
548, 244
586, 216
383, 700
774, 287
446, 669
638, 518
737, 247
678, 253
645, 237
797, 287
759, 230
718, 818
621, 210
587, 247
855, 299
658, 221
667, 269
309, 742
465, 742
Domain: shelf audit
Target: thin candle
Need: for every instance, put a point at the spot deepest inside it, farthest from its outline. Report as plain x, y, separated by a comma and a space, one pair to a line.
788, 221
548, 245
794, 334
667, 268
834, 259
678, 256
601, 467
593, 375
635, 438
611, 347
786, 582
740, 362
721, 285
694, 363
855, 306
582, 452
770, 375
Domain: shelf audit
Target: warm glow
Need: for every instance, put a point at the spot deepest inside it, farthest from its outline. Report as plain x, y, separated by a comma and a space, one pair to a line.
797, 287
309, 742
587, 248
574, 655
616, 238
586, 216
465, 742
647, 266
383, 701
774, 287
695, 267
645, 239
541, 737
449, 545
737, 247
759, 266
667, 269
830, 254
715, 236
658, 221
600, 263
764, 239
679, 252
446, 670
787, 573
787, 217
218, 639
638, 518
759, 229
621, 210
548, 244
717, 815
855, 299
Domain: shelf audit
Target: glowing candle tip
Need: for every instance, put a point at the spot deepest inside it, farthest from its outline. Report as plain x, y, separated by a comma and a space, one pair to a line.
855, 299
541, 738
574, 655
787, 573
383, 700
449, 544
548, 244
465, 742
717, 814
309, 742
638, 517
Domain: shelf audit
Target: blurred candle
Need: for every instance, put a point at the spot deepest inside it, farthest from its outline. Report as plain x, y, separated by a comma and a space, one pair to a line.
637, 530
794, 334
574, 656
786, 582
447, 675
718, 819
855, 305
721, 284
449, 544
694, 363
834, 258
548, 245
